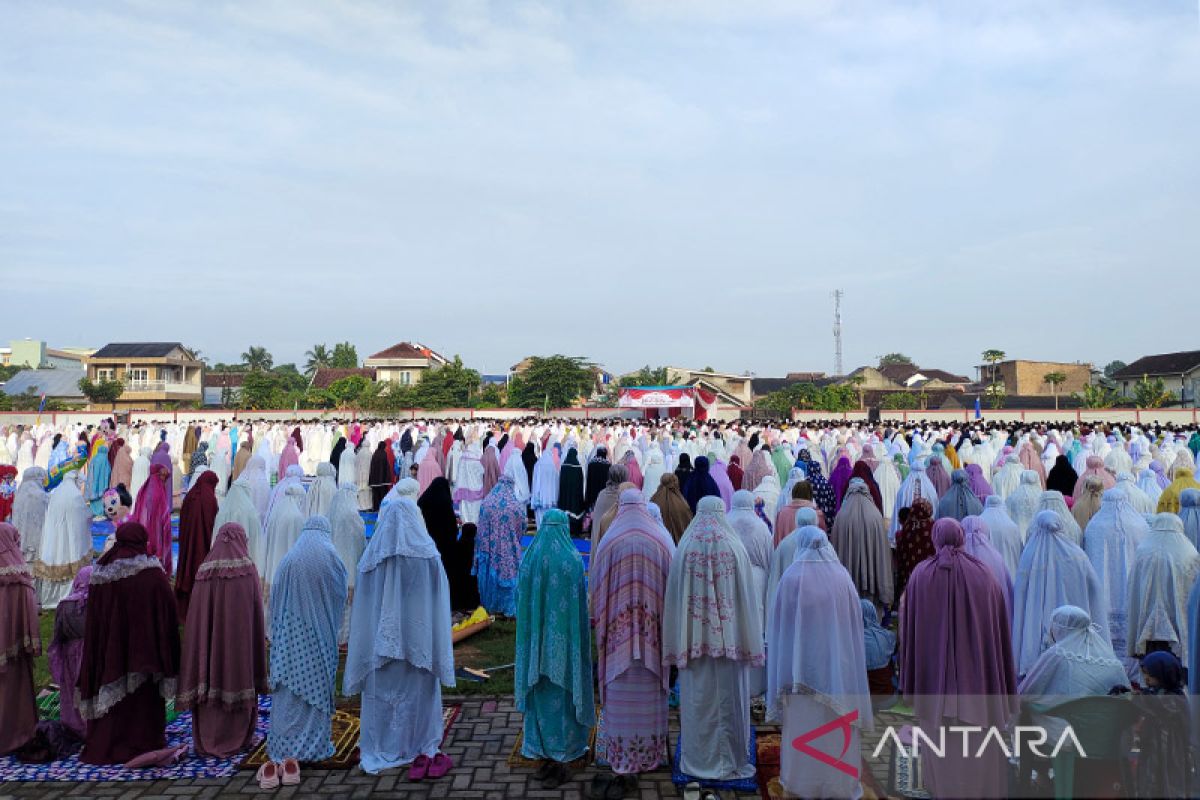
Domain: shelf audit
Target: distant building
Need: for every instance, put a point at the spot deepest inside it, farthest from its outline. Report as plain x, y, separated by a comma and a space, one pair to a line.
1180, 374
737, 388
1027, 378
34, 354
60, 383
404, 363
155, 374
223, 388
909, 377
761, 387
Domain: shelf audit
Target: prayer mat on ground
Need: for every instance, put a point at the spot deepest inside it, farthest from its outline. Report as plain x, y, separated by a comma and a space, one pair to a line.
345, 742
179, 732
49, 706
518, 761
744, 785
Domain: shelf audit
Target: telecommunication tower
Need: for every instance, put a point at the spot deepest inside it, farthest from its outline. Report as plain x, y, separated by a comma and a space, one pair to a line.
837, 332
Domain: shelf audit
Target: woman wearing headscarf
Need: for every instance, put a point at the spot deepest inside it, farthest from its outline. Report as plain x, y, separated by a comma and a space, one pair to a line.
1053, 572
1005, 535
491, 467
30, 502
1088, 502
1165, 566
290, 456
1062, 476
153, 512
734, 471
543, 488
1095, 468
674, 508
99, 470
319, 498
785, 519
978, 483
362, 474
1166, 756
307, 598
915, 485
469, 484
756, 537
400, 653
239, 506
130, 660
700, 485
958, 501
437, 509
66, 649
1168, 501
596, 477
914, 541
1023, 503
224, 667
283, 530
1050, 500
122, 466
760, 467
1111, 541
349, 538
956, 663
859, 538
816, 668
1078, 663
683, 472
607, 499
862, 471
839, 480
570, 491
335, 457
938, 476
1008, 477
502, 522
978, 542
627, 584
553, 679
712, 633
380, 476
196, 520
20, 643
66, 542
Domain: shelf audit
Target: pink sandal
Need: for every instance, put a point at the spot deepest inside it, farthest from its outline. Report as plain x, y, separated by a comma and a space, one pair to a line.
440, 766
268, 776
291, 772
419, 768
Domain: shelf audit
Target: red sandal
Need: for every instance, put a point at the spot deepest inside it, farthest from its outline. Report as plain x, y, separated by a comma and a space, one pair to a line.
440, 766
419, 768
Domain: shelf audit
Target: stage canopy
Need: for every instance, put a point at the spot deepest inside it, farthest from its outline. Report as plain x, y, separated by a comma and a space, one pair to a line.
673, 400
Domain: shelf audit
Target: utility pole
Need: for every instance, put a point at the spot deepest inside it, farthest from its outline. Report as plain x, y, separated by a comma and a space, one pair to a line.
837, 332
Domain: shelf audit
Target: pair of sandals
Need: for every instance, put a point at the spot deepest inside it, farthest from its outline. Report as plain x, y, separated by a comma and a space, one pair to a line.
552, 774
693, 791
271, 775
425, 767
609, 786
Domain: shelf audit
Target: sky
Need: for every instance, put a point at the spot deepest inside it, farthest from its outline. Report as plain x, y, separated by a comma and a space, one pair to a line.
642, 182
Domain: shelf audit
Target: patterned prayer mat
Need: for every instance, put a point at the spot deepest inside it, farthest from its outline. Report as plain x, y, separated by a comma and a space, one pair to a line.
744, 785
517, 761
345, 742
179, 732
49, 704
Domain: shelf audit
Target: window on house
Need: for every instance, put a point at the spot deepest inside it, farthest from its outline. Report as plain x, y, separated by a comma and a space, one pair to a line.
138, 375
104, 374
405, 378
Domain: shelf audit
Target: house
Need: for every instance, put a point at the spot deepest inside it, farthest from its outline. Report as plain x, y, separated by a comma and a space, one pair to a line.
761, 387
155, 374
737, 388
404, 363
1180, 374
59, 383
34, 354
910, 377
1027, 378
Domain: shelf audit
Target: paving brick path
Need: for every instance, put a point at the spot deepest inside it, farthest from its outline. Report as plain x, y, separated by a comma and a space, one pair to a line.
480, 742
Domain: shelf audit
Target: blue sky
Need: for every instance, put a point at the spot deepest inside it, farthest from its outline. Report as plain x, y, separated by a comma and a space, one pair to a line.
653, 181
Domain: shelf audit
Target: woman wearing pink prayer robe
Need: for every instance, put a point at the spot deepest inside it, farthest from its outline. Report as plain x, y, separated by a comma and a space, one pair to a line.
153, 512
428, 469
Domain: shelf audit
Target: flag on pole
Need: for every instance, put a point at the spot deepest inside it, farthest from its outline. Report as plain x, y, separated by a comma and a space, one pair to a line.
978, 410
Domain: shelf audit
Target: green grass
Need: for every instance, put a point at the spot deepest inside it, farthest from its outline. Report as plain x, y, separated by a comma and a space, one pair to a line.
41, 664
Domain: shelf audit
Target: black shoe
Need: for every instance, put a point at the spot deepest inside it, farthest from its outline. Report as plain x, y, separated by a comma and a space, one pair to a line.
559, 774
543, 770
600, 783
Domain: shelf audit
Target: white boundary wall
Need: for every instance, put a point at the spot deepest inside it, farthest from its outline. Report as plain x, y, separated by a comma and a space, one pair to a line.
1125, 416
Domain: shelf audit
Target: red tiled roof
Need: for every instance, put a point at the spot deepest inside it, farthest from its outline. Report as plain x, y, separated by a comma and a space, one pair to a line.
326, 376
220, 380
405, 350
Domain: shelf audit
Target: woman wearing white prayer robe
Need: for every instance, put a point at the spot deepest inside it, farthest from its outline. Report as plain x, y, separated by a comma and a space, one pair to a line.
468, 484
1022, 504
756, 538
712, 633
319, 498
347, 466
220, 465
653, 472
400, 652
544, 492
816, 669
66, 541
887, 478
362, 474
141, 471
1008, 477
349, 537
1006, 536
283, 529
254, 477
1111, 540
293, 476
515, 469
1165, 566
1078, 663
1138, 500
238, 506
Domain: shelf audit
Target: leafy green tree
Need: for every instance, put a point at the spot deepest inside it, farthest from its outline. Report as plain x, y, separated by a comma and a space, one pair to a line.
555, 381
646, 376
1149, 393
221, 366
888, 359
807, 396
450, 385
348, 392
1055, 380
6, 373
344, 356
264, 390
1113, 367
904, 401
1097, 395
293, 381
257, 359
317, 358
102, 392
490, 396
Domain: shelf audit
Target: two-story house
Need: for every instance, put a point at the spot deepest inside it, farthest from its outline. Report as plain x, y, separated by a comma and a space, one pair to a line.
155, 374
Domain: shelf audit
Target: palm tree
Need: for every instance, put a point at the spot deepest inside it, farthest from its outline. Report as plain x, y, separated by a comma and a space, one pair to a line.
317, 358
1054, 380
993, 357
257, 359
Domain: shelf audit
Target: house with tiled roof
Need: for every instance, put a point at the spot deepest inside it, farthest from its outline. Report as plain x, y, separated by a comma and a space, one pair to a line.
155, 374
404, 363
1179, 372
